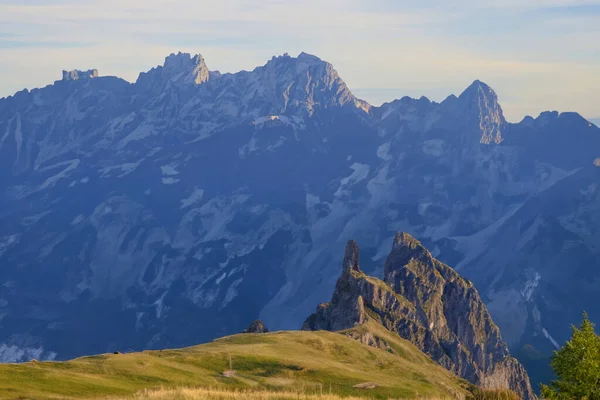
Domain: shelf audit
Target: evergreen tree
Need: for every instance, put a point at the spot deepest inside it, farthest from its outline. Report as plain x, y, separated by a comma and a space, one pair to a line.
577, 366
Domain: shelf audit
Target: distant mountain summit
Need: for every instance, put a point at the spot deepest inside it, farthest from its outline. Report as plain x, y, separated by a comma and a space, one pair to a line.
429, 304
75, 75
479, 105
178, 70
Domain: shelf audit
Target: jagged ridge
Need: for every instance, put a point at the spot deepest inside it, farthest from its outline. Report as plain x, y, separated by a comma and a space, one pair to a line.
429, 304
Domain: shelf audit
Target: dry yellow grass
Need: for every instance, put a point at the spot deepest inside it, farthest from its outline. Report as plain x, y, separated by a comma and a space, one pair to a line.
277, 362
217, 394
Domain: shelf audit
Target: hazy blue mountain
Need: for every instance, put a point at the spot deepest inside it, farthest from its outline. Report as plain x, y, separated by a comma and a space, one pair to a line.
183, 206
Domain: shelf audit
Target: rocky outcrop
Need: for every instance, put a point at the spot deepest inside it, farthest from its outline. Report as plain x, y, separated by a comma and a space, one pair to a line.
432, 306
179, 70
76, 75
257, 327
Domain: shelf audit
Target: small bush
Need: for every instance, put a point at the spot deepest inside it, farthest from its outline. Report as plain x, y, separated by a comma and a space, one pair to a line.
489, 394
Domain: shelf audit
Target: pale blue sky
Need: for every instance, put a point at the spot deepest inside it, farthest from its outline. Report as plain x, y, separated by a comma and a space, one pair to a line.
544, 55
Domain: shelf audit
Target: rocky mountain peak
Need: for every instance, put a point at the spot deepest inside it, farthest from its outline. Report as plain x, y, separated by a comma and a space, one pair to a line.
307, 60
76, 75
405, 240
307, 56
304, 60
476, 86
427, 303
404, 248
194, 66
351, 257
479, 93
479, 105
181, 69
305, 82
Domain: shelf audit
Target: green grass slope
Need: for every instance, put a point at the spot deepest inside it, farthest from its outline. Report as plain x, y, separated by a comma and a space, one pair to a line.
281, 361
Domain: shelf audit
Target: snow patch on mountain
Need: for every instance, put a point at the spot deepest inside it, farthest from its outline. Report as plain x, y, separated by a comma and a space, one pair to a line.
51, 244
7, 132
251, 147
117, 223
18, 136
381, 188
71, 165
472, 246
7, 242
530, 233
360, 173
194, 197
383, 152
553, 175
141, 132
160, 307
34, 219
169, 170
169, 181
209, 221
122, 169
277, 144
434, 147
220, 279
16, 354
550, 338
231, 293
78, 219
530, 287
296, 122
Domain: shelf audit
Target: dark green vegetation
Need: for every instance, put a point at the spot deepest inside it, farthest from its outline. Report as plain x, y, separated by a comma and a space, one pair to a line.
275, 361
577, 366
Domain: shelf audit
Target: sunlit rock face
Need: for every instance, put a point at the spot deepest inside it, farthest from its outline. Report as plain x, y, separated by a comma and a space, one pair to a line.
183, 206
429, 304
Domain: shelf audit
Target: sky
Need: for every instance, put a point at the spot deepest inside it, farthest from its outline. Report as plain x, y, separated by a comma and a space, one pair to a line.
537, 54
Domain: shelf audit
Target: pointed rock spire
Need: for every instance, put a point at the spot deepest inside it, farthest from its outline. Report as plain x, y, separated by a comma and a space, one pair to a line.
475, 87
351, 257
480, 104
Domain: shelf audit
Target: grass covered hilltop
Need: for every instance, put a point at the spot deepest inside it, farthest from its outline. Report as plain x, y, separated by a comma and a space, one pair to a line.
280, 365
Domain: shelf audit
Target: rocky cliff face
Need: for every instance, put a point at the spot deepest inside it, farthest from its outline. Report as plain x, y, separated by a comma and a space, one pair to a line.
429, 304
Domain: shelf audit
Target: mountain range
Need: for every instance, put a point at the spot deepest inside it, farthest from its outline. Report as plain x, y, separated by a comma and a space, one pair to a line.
178, 208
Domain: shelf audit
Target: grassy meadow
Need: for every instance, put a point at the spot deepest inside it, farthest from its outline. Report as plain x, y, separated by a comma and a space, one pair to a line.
280, 365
